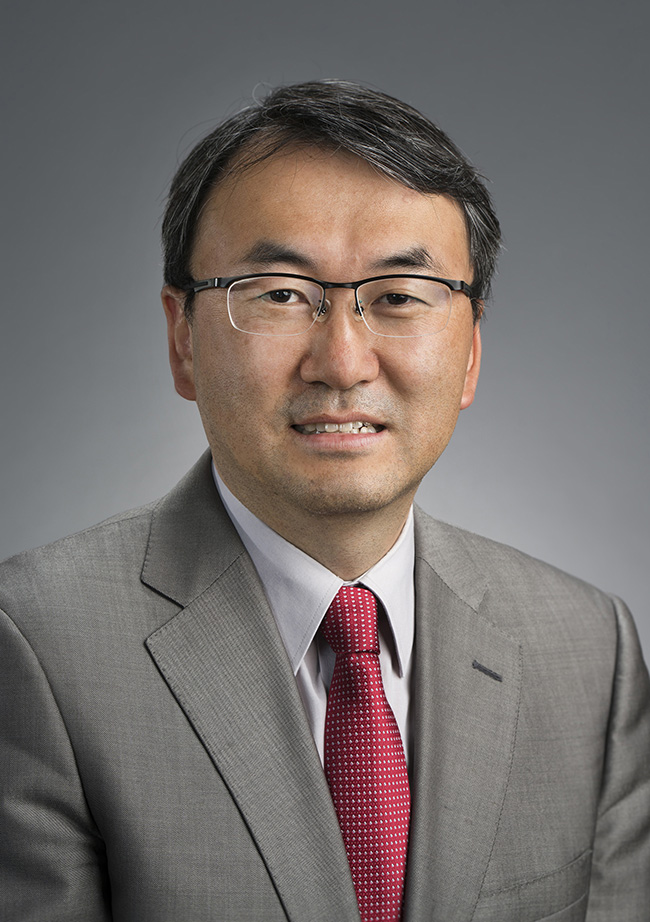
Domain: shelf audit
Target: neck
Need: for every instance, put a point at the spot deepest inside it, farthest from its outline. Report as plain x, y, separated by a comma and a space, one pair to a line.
349, 544
346, 543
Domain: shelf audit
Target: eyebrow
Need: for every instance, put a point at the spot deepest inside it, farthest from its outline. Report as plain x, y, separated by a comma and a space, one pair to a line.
416, 257
268, 253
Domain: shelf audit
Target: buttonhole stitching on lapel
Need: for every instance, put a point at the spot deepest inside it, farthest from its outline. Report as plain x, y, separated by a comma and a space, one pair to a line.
484, 669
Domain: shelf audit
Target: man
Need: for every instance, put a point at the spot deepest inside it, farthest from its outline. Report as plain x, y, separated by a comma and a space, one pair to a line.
189, 733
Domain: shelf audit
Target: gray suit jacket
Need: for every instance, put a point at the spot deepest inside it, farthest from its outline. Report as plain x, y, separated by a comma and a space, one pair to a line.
156, 763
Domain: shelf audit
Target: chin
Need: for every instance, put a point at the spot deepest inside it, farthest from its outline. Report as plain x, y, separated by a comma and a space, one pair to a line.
348, 498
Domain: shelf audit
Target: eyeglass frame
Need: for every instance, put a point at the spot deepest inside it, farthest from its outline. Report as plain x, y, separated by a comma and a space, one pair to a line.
224, 283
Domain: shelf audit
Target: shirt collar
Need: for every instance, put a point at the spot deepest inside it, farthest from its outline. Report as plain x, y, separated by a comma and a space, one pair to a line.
300, 590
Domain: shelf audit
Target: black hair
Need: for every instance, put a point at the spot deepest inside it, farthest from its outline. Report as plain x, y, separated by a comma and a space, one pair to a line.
336, 115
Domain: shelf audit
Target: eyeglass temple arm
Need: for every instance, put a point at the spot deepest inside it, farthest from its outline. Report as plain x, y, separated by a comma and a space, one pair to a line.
203, 284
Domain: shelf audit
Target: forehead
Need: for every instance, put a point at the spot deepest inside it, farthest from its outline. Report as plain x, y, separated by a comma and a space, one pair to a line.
334, 208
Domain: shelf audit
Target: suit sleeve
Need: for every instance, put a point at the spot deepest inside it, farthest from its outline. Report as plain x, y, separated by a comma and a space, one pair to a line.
52, 864
620, 885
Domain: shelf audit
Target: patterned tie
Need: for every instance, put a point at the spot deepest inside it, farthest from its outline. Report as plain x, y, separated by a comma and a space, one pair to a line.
364, 758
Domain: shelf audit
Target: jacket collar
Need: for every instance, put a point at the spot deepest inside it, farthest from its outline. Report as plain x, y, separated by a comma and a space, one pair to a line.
192, 542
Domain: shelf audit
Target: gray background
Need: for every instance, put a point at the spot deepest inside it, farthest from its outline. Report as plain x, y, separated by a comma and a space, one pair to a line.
548, 99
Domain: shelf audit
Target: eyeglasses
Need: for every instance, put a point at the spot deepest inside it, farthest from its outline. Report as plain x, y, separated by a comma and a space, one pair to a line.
280, 304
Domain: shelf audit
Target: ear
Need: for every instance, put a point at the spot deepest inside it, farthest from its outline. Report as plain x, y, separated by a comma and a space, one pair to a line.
473, 368
179, 339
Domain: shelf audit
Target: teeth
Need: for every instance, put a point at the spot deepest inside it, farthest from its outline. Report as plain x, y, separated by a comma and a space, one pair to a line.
353, 428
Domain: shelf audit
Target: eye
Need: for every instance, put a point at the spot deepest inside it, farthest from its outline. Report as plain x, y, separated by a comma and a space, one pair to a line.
384, 300
404, 296
286, 296
281, 296
394, 299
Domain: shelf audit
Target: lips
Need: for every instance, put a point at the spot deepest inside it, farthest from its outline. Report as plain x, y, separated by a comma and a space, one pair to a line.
356, 427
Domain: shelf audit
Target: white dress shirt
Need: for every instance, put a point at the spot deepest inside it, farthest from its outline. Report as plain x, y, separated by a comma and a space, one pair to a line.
300, 590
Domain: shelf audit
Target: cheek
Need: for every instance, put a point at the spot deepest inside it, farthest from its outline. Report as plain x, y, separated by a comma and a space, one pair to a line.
238, 378
432, 386
435, 378
218, 379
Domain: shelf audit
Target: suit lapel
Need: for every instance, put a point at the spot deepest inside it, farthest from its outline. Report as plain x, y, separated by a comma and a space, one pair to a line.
464, 730
224, 661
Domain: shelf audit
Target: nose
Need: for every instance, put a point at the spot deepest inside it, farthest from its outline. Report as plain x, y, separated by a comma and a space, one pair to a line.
341, 352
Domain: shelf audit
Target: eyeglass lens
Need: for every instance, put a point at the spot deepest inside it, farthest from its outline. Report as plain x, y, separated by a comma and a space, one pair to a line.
282, 306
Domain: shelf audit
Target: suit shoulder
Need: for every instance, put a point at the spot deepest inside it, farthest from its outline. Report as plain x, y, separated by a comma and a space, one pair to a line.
123, 527
509, 574
66, 567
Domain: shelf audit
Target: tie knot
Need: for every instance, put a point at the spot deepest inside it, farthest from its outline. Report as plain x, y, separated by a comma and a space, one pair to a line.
350, 625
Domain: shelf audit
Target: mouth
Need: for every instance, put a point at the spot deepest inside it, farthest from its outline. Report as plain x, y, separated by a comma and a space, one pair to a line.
356, 427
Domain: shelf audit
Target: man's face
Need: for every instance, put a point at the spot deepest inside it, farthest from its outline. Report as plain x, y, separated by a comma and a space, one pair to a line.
333, 217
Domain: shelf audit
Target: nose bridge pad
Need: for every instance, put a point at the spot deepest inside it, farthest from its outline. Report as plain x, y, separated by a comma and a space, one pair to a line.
359, 312
320, 314
322, 311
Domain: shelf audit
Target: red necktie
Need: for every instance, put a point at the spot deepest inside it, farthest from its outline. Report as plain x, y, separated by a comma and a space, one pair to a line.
364, 758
